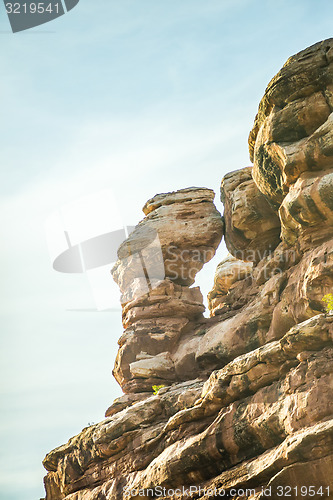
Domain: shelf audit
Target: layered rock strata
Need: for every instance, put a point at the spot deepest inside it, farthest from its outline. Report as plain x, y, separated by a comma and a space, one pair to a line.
253, 423
293, 130
228, 273
156, 265
246, 409
306, 212
252, 226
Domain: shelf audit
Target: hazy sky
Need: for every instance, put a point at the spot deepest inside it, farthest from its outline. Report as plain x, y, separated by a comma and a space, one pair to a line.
137, 96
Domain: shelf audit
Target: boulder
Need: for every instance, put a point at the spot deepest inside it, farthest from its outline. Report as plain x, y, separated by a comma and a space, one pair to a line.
179, 234
252, 227
228, 272
293, 131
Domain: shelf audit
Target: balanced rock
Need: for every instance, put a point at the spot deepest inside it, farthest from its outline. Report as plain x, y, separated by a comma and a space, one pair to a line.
179, 234
157, 262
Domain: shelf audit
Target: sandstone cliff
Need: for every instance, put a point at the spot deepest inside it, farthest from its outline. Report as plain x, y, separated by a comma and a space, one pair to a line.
246, 406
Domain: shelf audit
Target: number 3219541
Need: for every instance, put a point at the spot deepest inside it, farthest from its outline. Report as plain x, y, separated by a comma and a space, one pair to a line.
32, 8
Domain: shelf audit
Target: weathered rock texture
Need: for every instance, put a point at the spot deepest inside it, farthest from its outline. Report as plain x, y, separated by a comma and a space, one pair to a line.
179, 234
156, 265
307, 211
247, 403
252, 226
293, 130
228, 273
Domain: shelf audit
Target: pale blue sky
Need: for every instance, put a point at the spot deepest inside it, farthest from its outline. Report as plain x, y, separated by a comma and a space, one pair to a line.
137, 96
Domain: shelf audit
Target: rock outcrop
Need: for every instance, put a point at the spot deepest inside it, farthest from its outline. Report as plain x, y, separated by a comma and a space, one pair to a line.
244, 403
228, 273
156, 265
252, 226
293, 130
307, 210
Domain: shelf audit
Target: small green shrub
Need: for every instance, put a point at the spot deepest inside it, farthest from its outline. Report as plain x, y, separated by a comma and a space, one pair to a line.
328, 299
156, 388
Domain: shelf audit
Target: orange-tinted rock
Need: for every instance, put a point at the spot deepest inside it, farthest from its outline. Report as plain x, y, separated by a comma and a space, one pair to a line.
179, 234
242, 330
293, 130
304, 287
252, 227
247, 402
165, 300
124, 401
227, 274
260, 409
306, 212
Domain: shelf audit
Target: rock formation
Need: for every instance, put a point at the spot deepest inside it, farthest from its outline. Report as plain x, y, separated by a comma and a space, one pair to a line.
156, 265
244, 408
252, 226
228, 273
293, 130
